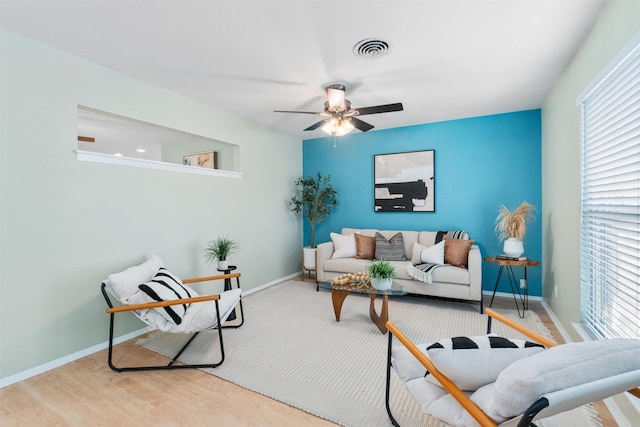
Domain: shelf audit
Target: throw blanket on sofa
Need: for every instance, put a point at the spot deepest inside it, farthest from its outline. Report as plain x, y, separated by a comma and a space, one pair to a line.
423, 272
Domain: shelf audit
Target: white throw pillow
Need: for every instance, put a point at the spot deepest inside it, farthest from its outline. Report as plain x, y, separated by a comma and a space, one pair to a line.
471, 362
125, 283
344, 245
432, 254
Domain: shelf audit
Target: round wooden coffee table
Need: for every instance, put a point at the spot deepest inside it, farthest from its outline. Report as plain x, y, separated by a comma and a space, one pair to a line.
340, 293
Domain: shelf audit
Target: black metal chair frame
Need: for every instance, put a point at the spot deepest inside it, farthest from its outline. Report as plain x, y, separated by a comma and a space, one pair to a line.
171, 364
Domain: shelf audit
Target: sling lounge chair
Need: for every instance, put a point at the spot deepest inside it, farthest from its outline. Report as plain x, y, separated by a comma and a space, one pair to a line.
164, 302
468, 387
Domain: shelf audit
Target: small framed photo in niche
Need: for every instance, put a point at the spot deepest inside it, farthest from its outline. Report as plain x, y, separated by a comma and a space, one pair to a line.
206, 159
404, 182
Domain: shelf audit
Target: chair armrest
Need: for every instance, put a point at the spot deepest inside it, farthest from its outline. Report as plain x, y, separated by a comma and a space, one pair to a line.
210, 278
516, 326
324, 251
464, 400
168, 303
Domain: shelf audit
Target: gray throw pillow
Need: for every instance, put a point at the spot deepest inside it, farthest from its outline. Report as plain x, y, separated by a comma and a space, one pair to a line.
390, 250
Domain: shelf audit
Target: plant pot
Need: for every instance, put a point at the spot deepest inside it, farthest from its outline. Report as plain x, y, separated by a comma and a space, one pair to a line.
309, 258
223, 265
513, 247
381, 284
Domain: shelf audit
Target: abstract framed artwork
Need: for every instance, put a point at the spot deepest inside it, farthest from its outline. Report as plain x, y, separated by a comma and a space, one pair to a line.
404, 182
206, 159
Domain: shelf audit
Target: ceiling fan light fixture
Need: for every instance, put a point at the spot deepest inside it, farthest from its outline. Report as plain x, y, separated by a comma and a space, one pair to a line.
338, 127
335, 97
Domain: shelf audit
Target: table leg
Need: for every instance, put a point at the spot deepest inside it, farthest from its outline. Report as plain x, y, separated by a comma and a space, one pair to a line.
338, 297
380, 320
495, 288
227, 287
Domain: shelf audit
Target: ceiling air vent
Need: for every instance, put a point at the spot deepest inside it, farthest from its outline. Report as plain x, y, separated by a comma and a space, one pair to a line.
371, 48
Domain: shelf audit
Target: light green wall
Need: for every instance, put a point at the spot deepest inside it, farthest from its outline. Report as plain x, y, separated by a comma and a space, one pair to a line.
65, 224
561, 164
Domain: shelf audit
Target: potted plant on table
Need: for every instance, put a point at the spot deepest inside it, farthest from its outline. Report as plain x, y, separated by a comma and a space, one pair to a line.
220, 250
315, 197
382, 274
511, 226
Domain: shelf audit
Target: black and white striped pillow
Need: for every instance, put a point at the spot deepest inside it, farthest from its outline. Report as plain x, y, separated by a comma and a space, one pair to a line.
165, 286
471, 362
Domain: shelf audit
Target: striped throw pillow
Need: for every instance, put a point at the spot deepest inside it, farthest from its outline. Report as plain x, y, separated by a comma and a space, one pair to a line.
390, 250
471, 362
165, 286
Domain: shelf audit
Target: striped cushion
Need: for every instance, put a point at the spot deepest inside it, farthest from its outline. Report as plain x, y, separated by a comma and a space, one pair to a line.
471, 362
390, 250
165, 286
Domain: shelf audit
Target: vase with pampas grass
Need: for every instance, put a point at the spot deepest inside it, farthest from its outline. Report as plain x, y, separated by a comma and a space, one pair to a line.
511, 226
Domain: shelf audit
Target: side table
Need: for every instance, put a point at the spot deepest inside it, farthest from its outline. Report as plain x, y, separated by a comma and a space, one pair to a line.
227, 287
509, 264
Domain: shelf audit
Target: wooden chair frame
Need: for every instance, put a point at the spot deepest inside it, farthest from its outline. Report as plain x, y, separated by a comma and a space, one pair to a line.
603, 386
112, 311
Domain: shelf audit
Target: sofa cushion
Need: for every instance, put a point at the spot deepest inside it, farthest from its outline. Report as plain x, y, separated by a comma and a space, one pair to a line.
391, 249
365, 246
344, 246
451, 274
346, 265
456, 251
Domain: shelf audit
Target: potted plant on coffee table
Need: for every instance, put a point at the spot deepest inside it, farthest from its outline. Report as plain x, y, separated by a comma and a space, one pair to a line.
315, 197
511, 226
382, 274
220, 250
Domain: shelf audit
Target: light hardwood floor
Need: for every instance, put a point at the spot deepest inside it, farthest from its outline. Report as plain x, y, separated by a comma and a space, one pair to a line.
87, 393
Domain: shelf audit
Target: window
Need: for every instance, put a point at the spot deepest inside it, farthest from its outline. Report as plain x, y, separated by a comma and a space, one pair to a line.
610, 223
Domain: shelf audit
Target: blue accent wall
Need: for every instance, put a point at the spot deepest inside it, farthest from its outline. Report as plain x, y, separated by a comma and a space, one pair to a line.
480, 163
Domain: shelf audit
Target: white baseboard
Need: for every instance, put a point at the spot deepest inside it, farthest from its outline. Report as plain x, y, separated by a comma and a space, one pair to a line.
20, 376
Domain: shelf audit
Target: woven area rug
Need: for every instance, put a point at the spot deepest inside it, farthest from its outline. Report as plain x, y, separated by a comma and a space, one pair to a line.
291, 349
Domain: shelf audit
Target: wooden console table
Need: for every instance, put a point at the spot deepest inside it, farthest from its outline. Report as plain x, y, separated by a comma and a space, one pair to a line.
509, 264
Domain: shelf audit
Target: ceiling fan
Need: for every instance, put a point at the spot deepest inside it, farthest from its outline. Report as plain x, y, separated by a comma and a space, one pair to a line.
340, 116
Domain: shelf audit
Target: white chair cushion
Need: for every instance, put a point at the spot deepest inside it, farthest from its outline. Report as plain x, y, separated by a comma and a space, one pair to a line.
558, 368
200, 316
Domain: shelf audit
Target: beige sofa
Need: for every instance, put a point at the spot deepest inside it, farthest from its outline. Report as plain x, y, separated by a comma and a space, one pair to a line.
447, 281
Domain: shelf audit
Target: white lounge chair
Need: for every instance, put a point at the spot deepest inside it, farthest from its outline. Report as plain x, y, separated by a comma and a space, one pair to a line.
164, 302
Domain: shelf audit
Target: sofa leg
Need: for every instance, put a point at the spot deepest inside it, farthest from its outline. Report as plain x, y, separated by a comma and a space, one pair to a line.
481, 305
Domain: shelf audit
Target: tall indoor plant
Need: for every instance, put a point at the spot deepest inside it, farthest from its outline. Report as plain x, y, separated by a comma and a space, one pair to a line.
315, 197
511, 226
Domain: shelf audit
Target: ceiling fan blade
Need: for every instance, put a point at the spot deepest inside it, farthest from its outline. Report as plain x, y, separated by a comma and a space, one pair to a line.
388, 108
298, 112
316, 125
359, 124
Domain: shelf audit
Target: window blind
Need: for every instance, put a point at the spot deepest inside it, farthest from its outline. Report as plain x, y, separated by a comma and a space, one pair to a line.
610, 217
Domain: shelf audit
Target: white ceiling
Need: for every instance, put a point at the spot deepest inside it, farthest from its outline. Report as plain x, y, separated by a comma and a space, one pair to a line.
449, 58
